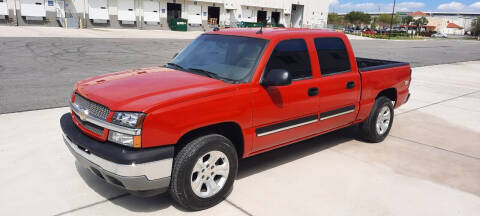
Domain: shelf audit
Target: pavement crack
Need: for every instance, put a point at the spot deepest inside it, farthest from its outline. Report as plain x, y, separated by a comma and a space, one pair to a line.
443, 149
238, 207
439, 102
92, 204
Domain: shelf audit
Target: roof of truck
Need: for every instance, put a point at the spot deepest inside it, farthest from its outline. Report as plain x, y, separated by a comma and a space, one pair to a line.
269, 33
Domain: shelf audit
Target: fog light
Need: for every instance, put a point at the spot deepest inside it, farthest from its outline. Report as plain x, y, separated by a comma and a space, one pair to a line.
120, 138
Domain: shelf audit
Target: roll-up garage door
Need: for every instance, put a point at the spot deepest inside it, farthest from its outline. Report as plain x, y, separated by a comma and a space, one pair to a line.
151, 11
3, 8
194, 14
33, 8
98, 9
247, 15
126, 10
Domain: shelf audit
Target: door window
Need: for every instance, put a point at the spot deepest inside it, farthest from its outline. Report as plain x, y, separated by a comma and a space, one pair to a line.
332, 56
291, 55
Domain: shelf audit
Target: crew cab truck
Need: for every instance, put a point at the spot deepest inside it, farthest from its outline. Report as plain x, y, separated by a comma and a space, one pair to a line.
230, 94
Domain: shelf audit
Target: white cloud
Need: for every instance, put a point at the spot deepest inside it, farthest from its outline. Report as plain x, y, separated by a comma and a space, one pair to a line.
475, 5
333, 2
376, 7
411, 5
452, 6
408, 6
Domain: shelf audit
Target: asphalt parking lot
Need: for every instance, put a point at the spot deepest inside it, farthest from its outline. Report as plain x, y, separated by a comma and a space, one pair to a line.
39, 73
429, 165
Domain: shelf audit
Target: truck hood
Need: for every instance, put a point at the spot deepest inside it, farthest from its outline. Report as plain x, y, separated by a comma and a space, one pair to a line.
143, 89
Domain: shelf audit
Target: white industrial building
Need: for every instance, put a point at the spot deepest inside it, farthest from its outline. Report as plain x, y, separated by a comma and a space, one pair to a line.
155, 14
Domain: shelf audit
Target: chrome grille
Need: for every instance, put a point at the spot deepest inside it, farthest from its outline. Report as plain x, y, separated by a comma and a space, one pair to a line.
89, 126
93, 108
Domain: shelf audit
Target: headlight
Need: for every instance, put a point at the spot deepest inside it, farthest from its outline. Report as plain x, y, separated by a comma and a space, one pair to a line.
128, 119
125, 139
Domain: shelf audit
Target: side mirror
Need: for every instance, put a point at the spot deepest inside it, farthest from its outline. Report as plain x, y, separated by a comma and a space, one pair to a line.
277, 77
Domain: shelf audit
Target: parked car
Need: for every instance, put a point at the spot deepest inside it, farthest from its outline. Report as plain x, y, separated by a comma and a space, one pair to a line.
368, 32
440, 35
230, 94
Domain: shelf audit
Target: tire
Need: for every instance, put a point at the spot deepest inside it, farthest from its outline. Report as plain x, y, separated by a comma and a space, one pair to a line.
369, 130
193, 156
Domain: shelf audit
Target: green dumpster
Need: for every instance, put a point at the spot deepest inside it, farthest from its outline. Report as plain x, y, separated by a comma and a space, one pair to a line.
178, 24
249, 24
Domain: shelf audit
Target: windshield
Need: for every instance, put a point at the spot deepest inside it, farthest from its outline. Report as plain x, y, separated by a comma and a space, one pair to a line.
220, 56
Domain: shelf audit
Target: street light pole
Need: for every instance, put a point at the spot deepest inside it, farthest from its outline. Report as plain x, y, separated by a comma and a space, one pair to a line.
391, 20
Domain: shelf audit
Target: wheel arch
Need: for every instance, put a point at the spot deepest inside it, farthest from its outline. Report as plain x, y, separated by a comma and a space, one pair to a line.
390, 93
230, 130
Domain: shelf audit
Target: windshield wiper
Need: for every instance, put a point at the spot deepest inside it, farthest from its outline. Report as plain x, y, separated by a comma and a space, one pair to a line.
175, 65
211, 74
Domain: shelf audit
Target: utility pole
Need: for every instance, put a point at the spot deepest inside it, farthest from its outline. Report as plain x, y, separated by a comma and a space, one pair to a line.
391, 20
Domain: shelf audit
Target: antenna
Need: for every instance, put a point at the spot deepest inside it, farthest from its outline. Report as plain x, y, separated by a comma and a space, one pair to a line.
261, 27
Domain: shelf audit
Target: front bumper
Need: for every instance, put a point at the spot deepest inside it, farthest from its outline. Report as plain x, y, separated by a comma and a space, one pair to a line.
128, 168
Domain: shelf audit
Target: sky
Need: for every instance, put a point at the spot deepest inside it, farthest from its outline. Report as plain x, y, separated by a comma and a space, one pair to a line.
344, 6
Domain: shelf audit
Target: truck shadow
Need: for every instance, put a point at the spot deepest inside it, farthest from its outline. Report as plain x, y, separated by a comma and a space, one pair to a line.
247, 167
277, 157
122, 198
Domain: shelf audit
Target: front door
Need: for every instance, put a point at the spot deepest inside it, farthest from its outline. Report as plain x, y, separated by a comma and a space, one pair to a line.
286, 113
339, 86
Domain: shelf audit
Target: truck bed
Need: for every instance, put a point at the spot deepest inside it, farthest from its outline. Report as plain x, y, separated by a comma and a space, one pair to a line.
366, 64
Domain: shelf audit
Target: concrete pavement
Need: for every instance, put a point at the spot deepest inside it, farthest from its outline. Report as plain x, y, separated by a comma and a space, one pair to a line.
429, 165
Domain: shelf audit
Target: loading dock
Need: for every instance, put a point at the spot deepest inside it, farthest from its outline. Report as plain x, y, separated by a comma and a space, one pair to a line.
98, 11
151, 14
194, 14
174, 11
261, 16
213, 15
275, 18
247, 15
126, 11
32, 9
297, 16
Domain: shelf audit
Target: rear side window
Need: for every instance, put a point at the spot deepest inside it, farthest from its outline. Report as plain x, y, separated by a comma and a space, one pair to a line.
332, 55
291, 55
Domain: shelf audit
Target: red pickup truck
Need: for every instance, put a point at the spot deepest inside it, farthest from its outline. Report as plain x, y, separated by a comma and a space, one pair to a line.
229, 94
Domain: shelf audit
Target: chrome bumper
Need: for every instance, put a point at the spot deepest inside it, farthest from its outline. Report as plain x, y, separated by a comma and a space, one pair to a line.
135, 177
151, 170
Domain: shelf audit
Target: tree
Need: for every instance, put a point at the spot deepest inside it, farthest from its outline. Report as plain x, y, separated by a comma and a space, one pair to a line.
476, 26
335, 19
407, 20
385, 19
357, 18
421, 21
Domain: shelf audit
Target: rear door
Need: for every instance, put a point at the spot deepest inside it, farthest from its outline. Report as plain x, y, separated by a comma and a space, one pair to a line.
286, 113
339, 85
